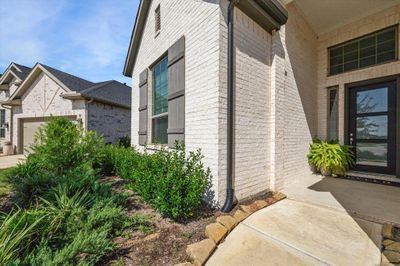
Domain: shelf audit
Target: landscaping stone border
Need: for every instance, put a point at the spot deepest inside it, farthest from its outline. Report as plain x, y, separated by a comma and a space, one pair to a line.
199, 252
390, 245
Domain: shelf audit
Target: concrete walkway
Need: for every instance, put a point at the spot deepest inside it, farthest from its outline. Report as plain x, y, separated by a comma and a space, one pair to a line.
373, 202
298, 233
10, 161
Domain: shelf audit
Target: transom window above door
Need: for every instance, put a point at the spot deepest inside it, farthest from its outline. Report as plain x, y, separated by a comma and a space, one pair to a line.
373, 49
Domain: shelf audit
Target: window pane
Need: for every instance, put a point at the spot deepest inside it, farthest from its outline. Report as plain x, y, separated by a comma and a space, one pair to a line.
368, 42
386, 35
350, 56
350, 65
336, 60
372, 101
386, 56
368, 51
2, 133
160, 126
336, 70
368, 61
333, 110
2, 117
372, 154
160, 92
336, 52
373, 49
372, 127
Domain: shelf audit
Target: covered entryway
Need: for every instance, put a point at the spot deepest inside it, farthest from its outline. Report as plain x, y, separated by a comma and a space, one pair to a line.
28, 130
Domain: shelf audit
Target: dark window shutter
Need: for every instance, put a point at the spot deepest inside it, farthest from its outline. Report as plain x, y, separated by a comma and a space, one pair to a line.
143, 85
176, 92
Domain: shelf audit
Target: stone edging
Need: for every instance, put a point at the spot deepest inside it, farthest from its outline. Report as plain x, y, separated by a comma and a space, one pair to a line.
390, 245
199, 252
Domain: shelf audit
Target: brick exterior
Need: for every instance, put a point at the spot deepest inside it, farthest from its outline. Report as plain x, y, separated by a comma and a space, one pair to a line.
42, 99
111, 122
199, 22
280, 81
3, 97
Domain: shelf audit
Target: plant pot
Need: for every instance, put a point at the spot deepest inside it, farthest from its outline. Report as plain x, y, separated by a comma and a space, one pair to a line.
8, 149
327, 172
313, 169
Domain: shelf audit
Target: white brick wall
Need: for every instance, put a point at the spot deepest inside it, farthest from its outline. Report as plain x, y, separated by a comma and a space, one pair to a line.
252, 120
198, 21
280, 90
299, 104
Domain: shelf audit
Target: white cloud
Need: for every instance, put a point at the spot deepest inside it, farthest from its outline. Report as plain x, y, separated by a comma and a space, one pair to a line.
23, 24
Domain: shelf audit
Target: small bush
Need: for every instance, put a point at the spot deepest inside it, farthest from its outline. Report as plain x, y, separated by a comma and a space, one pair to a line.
173, 182
61, 145
330, 157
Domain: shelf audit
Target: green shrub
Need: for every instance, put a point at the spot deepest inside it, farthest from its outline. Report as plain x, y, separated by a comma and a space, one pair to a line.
60, 145
330, 157
171, 181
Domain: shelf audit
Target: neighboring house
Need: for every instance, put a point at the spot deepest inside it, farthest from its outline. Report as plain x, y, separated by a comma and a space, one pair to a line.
301, 69
29, 96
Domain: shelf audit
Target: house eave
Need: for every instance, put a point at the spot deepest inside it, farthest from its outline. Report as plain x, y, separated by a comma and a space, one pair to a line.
14, 102
269, 14
79, 96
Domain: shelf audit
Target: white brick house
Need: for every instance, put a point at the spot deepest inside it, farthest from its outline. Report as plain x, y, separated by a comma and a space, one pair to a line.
297, 65
29, 96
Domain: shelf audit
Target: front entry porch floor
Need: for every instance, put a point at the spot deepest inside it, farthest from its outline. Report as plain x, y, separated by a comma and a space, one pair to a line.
298, 233
372, 202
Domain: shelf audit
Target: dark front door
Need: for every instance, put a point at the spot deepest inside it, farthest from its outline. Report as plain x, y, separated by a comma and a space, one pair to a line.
372, 127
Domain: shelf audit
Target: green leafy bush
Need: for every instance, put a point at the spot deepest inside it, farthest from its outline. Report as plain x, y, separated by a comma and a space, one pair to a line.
173, 182
330, 157
61, 145
70, 215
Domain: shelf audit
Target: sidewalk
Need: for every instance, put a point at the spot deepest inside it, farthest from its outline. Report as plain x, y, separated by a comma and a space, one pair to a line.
10, 161
298, 233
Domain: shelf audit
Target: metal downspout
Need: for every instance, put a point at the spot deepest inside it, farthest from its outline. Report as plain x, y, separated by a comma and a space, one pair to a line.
230, 112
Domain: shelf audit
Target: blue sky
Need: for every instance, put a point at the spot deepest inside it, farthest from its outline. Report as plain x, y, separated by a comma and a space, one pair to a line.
87, 38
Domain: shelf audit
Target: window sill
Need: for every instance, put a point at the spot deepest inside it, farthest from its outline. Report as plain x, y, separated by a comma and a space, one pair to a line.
157, 147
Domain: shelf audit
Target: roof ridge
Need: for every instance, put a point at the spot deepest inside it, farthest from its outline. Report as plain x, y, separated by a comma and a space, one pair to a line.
47, 66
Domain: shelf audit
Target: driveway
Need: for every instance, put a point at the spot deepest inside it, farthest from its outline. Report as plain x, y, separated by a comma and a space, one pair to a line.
298, 233
10, 161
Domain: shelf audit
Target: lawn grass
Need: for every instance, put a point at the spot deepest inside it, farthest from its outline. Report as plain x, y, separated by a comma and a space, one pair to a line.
5, 187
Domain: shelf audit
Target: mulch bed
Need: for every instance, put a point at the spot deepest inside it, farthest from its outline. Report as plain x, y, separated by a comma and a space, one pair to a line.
165, 244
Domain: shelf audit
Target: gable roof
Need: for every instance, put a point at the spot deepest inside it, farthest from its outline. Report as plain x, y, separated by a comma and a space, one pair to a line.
269, 14
23, 71
16, 70
111, 92
73, 83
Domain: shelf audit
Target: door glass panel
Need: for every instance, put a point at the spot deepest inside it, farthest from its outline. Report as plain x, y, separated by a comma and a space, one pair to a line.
375, 100
374, 154
372, 127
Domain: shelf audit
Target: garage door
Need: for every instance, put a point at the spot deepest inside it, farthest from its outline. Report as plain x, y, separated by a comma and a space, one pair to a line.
28, 132
29, 129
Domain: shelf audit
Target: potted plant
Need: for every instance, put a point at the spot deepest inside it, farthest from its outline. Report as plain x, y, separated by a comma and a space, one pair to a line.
330, 158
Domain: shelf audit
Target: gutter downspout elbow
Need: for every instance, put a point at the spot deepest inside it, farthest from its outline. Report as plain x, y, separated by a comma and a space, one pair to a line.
230, 112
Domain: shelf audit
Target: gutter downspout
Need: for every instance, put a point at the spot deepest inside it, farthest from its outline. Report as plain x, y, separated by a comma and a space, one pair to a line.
230, 112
